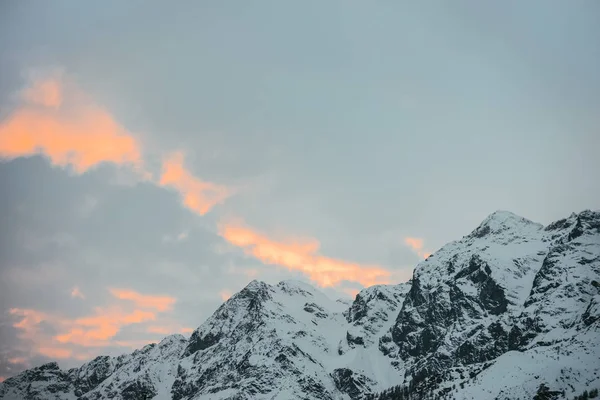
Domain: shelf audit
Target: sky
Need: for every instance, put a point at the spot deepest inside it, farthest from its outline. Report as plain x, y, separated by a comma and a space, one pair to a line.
155, 158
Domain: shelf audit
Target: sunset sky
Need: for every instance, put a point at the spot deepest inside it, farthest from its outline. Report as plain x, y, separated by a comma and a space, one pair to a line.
156, 158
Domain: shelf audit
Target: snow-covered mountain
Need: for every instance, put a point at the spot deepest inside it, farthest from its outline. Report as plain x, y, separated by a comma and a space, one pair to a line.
494, 315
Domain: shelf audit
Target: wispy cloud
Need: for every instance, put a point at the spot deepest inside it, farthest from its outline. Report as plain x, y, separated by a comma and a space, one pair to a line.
197, 195
76, 293
47, 93
158, 303
302, 255
225, 294
17, 360
168, 329
57, 120
69, 338
96, 330
181, 236
161, 330
416, 244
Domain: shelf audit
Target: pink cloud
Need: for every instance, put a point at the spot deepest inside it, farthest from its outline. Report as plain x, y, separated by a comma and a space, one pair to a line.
302, 255
76, 293
158, 303
416, 244
197, 195
60, 122
94, 331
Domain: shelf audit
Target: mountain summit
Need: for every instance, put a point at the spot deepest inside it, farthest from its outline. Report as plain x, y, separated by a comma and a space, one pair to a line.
506, 311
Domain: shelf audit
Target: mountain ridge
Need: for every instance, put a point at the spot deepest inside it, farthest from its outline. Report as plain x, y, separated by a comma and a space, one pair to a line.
512, 298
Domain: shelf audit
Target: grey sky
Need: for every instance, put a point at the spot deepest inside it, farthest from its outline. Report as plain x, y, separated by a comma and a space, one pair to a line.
356, 124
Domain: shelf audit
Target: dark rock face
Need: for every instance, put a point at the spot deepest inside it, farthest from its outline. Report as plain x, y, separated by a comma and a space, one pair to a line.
138, 390
353, 384
98, 370
198, 343
425, 316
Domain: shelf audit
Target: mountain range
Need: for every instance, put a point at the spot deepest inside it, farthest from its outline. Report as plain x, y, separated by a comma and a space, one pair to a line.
509, 311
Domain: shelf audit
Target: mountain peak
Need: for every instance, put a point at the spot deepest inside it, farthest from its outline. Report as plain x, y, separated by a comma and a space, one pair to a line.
293, 286
256, 285
502, 220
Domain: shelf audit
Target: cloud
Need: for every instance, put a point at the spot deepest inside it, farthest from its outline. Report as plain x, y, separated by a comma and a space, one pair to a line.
158, 303
168, 329
301, 255
57, 120
59, 337
161, 330
75, 292
225, 294
47, 93
29, 325
176, 238
416, 244
55, 353
352, 292
96, 330
197, 195
134, 344
17, 360
2, 378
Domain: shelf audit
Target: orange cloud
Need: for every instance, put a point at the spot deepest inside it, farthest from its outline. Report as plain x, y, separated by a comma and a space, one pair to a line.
75, 292
95, 331
55, 352
225, 295
30, 332
160, 330
199, 196
29, 322
301, 255
47, 93
168, 329
2, 379
158, 303
416, 245
17, 360
133, 343
57, 120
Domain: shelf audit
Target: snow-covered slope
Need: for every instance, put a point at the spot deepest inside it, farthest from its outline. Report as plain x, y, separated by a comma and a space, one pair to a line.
146, 373
493, 315
287, 341
512, 299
